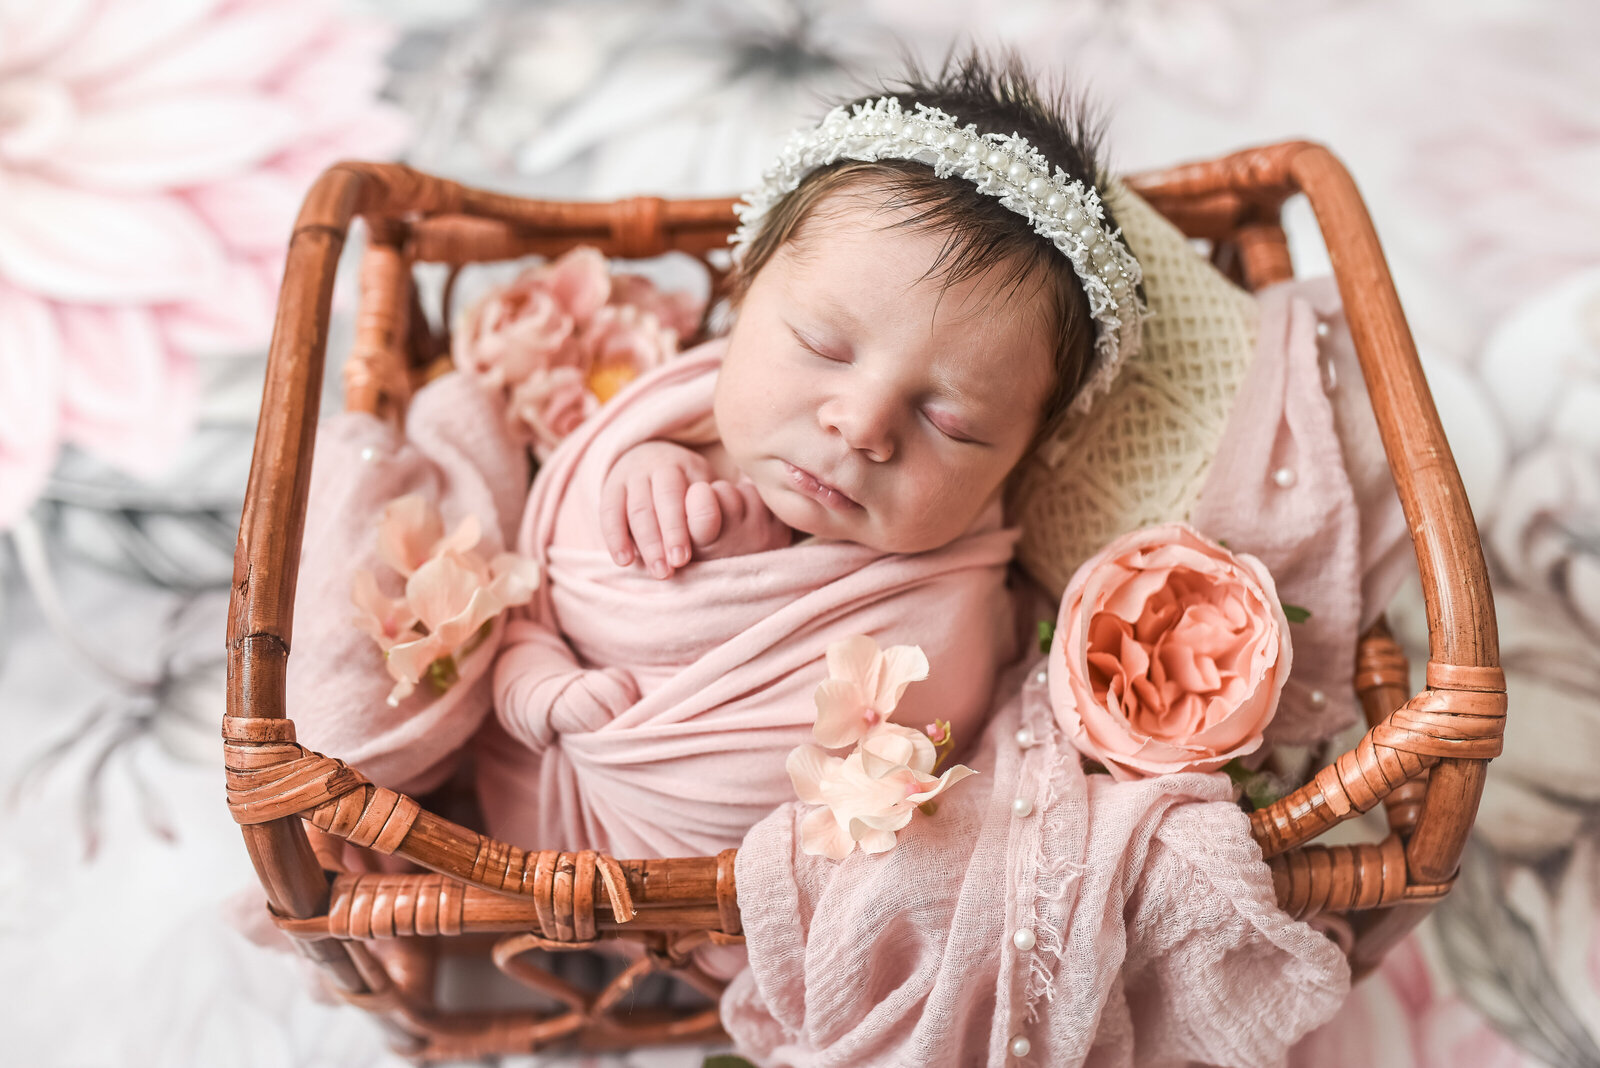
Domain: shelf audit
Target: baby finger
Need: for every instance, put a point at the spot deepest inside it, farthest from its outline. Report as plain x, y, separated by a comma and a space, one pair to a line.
645, 527
669, 487
704, 511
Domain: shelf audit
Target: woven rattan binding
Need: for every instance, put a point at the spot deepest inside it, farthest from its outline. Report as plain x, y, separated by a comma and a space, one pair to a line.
377, 935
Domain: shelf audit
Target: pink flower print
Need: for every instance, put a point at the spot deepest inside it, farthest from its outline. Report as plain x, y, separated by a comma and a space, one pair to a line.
151, 164
864, 685
1169, 654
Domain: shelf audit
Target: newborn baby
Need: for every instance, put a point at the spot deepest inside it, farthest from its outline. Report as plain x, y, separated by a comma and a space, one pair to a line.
919, 299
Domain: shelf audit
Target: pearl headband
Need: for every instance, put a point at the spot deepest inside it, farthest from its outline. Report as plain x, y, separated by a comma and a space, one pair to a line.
1060, 208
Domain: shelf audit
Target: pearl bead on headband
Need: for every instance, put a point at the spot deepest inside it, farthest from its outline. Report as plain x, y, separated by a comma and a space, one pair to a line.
1061, 209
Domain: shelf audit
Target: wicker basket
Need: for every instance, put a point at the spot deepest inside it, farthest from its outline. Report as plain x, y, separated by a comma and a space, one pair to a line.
379, 936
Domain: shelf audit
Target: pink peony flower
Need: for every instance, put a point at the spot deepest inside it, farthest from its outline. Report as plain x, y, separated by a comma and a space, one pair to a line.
531, 325
450, 591
678, 310
868, 795
151, 163
1169, 654
863, 687
620, 344
547, 406
564, 337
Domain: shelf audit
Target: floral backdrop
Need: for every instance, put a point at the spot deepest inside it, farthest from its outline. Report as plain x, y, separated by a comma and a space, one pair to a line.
152, 156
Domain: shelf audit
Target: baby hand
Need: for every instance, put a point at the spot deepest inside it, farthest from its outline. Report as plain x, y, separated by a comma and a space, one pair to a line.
661, 504
728, 519
642, 505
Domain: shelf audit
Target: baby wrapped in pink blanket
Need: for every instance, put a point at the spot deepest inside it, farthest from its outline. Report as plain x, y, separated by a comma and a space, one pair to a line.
652, 718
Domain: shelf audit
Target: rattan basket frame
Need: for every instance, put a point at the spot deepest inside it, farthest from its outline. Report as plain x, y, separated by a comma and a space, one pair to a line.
379, 936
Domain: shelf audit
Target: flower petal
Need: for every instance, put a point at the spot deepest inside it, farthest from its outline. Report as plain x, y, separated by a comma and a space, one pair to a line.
156, 144
900, 666
238, 47
77, 245
122, 34
841, 713
809, 767
821, 835
441, 590
515, 578
127, 398
407, 532
30, 400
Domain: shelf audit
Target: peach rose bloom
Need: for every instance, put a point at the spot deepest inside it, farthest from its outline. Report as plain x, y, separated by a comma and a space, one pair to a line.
1169, 654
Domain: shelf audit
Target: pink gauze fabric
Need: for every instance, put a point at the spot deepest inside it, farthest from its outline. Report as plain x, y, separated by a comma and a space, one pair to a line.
1335, 538
1157, 937
652, 718
455, 452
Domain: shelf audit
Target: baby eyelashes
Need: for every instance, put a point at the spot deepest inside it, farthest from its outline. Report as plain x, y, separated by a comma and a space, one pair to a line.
662, 505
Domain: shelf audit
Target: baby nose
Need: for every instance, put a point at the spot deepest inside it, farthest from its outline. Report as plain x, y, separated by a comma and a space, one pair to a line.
865, 422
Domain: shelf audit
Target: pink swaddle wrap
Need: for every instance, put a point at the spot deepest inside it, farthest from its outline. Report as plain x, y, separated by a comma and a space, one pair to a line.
652, 718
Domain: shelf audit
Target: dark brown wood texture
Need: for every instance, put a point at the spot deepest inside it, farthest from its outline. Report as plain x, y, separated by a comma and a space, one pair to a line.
378, 935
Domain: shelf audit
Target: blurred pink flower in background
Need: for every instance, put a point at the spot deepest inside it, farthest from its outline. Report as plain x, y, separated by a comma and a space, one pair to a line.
1403, 1000
152, 159
563, 337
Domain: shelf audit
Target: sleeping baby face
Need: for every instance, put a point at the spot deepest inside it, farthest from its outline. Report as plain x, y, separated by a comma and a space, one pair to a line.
868, 400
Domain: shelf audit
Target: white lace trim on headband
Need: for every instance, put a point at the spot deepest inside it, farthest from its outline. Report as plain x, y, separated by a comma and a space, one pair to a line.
1061, 209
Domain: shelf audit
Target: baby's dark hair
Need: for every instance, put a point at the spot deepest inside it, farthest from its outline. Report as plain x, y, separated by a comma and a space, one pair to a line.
980, 234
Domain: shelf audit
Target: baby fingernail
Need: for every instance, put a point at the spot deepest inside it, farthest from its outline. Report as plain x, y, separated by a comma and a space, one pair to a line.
621, 558
658, 569
679, 556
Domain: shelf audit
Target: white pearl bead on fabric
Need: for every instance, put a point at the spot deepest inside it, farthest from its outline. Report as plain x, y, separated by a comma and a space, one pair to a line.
1318, 698
1024, 737
1042, 677
369, 454
995, 158
1283, 477
1022, 807
1024, 939
1020, 1046
1323, 330
1017, 173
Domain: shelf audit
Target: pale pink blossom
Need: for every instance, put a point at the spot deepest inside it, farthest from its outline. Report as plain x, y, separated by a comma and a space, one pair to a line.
1169, 654
547, 406
864, 685
453, 595
869, 795
411, 532
387, 620
450, 591
152, 159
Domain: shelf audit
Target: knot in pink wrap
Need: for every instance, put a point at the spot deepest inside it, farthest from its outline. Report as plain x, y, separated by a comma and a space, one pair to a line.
653, 718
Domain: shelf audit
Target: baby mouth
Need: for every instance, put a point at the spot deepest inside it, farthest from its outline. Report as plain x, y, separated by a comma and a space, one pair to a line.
818, 490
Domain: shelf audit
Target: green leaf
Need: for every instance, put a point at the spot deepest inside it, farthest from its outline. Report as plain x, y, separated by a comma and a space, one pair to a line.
726, 1060
1295, 614
1047, 633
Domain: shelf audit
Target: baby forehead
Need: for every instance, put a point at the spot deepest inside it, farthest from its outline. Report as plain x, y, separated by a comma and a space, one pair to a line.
856, 252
